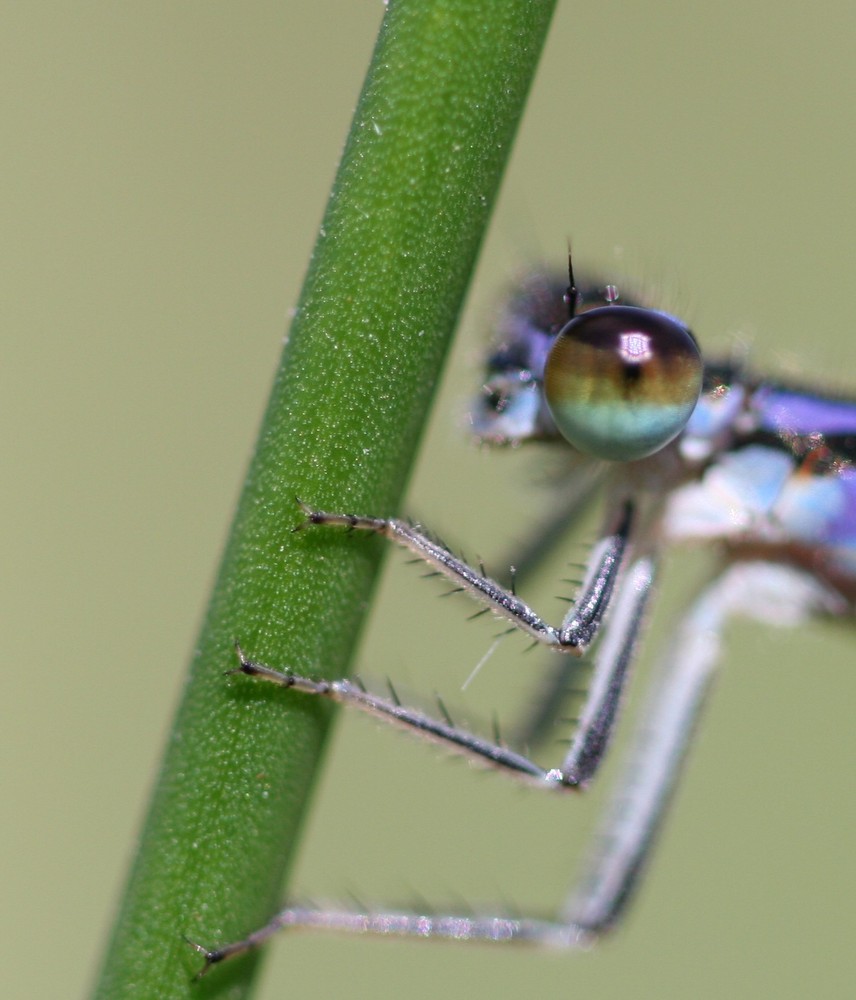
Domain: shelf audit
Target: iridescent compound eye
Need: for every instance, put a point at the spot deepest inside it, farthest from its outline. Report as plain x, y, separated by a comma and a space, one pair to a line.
621, 382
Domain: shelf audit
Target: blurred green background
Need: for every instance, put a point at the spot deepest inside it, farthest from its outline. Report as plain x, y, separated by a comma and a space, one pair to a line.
165, 169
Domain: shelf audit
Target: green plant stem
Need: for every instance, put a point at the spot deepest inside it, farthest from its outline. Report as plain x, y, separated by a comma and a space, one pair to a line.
418, 177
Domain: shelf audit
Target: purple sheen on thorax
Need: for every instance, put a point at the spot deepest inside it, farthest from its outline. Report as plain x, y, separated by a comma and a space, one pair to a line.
842, 528
779, 410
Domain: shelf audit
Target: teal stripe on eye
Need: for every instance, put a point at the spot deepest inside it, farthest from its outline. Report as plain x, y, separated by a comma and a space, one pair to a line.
620, 433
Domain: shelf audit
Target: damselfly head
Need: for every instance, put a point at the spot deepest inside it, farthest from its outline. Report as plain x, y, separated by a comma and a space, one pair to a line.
617, 382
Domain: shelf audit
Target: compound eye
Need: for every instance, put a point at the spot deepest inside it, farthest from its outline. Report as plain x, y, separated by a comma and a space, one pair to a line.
621, 382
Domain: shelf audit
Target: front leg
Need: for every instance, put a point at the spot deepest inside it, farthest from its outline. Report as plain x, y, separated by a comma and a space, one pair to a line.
579, 627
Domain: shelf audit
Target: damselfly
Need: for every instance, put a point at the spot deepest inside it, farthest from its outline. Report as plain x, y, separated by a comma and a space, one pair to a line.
685, 451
